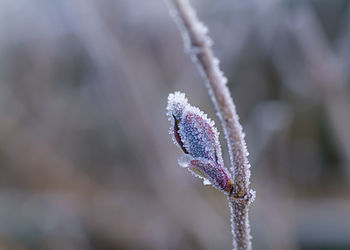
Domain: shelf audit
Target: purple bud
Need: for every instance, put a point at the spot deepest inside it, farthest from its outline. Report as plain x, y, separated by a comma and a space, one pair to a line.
198, 138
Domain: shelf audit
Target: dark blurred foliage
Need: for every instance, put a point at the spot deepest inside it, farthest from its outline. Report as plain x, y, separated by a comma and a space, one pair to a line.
86, 160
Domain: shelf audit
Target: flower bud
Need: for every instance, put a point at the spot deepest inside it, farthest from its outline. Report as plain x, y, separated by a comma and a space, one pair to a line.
197, 137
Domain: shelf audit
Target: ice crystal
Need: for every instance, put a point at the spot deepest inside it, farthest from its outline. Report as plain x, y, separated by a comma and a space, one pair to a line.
196, 135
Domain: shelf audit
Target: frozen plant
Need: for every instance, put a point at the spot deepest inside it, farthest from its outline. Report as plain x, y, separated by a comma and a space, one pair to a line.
196, 135
198, 138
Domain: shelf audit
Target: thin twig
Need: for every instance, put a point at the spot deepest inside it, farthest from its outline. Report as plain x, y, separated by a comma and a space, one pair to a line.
198, 45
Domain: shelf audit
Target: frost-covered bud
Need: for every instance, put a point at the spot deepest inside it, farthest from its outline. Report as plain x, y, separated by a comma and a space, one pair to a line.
198, 138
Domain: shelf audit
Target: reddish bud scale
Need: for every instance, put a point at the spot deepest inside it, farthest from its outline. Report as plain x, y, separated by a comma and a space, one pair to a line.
200, 134
215, 174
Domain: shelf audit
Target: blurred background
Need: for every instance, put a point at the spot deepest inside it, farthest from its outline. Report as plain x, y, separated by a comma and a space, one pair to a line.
86, 159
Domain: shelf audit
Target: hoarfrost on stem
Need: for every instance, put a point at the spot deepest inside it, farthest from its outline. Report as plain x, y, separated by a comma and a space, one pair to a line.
198, 45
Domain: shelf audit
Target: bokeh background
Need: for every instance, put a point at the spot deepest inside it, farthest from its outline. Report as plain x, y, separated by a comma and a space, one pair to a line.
85, 156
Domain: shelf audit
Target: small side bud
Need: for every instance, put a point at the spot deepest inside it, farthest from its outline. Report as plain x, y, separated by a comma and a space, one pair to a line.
196, 135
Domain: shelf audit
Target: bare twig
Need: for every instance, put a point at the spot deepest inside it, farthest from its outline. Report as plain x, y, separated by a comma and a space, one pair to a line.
198, 45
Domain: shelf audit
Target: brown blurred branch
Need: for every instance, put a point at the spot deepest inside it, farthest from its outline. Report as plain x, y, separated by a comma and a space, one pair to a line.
328, 75
198, 45
38, 167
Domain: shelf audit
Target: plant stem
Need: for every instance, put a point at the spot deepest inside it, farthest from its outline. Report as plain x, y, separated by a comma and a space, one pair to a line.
198, 45
240, 222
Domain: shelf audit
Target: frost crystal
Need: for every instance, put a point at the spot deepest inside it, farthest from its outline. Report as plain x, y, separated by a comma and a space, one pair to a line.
198, 138
185, 160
